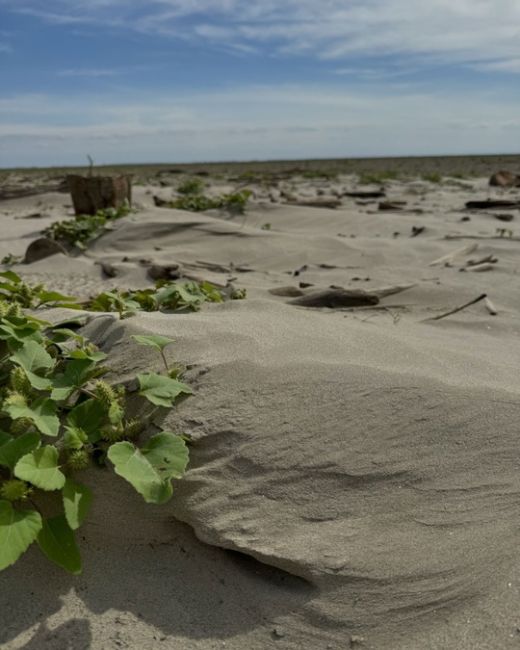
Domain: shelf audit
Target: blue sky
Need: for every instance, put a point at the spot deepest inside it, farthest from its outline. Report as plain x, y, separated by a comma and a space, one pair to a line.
188, 80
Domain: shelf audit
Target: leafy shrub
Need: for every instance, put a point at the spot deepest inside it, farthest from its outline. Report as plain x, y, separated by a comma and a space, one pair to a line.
191, 186
166, 296
14, 290
57, 417
78, 232
234, 203
377, 178
433, 177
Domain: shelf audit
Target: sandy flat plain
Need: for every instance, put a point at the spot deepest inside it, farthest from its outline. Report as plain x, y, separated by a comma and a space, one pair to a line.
355, 472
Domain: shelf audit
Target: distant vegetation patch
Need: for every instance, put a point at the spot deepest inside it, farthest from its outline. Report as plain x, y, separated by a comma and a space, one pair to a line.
234, 203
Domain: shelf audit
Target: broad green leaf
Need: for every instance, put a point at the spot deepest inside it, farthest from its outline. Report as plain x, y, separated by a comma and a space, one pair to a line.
46, 297
42, 413
11, 276
88, 416
77, 373
133, 466
168, 454
76, 503
33, 357
12, 451
74, 438
83, 354
154, 340
56, 540
40, 467
161, 390
5, 437
18, 530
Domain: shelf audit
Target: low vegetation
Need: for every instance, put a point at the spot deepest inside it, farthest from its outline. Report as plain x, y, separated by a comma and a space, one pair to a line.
83, 229
234, 203
58, 417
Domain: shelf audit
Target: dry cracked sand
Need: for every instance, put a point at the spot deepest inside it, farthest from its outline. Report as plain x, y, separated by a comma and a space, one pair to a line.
355, 473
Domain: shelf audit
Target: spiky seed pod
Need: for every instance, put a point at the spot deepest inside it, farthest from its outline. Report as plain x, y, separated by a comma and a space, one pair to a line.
78, 459
105, 393
21, 426
4, 308
15, 490
14, 311
19, 381
25, 294
113, 433
133, 428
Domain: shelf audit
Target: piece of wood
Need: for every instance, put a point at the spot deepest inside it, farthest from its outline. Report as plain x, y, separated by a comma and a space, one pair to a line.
382, 292
360, 194
492, 203
448, 259
336, 298
479, 268
483, 237
457, 309
490, 307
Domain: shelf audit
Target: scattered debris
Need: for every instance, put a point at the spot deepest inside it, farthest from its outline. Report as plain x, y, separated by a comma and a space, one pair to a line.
504, 217
334, 298
391, 205
320, 202
417, 230
447, 260
457, 309
492, 203
164, 272
479, 268
360, 194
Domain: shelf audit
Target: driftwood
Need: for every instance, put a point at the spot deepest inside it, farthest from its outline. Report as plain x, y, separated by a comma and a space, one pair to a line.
457, 309
391, 205
500, 237
382, 292
490, 307
450, 258
479, 268
335, 298
378, 194
492, 203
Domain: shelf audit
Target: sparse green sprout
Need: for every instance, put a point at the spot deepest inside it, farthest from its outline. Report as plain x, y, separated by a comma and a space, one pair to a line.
234, 203
83, 229
266, 226
191, 186
433, 177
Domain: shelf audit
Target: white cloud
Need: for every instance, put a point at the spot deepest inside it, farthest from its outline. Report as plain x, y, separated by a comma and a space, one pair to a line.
458, 31
508, 66
254, 122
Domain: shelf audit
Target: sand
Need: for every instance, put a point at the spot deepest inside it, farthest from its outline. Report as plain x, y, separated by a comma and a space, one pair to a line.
354, 477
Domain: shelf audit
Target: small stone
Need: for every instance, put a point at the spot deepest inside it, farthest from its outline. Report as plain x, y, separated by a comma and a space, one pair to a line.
41, 248
164, 272
278, 633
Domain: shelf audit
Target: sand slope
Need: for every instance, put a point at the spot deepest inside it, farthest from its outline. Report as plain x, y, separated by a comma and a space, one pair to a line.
355, 474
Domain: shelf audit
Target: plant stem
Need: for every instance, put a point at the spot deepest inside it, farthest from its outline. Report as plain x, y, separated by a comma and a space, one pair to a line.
164, 361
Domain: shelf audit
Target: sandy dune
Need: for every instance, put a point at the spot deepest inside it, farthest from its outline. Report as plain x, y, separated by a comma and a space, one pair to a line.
354, 477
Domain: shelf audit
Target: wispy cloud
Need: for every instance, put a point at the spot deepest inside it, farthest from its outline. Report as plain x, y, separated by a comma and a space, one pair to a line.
5, 48
453, 31
255, 122
507, 66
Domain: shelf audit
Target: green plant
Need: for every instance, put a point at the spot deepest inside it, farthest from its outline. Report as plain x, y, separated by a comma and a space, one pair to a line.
377, 178
10, 259
191, 186
266, 226
234, 203
14, 290
57, 416
165, 296
78, 232
433, 177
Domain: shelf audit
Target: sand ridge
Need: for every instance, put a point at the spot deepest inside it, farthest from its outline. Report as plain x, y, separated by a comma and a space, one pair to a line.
354, 477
